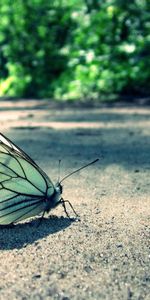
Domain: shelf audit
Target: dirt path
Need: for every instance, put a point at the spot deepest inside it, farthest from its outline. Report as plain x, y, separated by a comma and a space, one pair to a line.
106, 254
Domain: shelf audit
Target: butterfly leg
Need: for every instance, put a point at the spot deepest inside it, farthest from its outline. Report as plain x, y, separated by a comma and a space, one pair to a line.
41, 218
64, 206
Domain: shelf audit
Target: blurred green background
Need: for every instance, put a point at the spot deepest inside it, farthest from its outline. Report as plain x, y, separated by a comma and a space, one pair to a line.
76, 49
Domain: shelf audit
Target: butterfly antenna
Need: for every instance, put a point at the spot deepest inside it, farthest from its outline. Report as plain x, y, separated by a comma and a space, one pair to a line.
59, 162
91, 163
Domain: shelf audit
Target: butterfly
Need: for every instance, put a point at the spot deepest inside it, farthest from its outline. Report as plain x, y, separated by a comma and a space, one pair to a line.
25, 189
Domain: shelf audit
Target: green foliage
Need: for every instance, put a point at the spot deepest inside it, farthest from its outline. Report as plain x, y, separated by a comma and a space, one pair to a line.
74, 49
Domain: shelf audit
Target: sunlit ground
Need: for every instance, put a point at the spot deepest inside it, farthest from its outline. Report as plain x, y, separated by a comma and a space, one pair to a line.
34, 114
106, 254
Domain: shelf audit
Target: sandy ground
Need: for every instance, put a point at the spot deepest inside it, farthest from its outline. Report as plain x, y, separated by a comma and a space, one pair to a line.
106, 254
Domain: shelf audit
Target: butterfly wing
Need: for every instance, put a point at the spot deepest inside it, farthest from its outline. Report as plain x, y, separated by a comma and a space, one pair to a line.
23, 185
14, 148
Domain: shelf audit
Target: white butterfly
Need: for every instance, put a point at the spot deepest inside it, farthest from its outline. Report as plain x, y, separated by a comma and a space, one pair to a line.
25, 189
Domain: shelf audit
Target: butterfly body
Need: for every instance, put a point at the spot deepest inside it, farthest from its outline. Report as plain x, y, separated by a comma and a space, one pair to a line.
55, 199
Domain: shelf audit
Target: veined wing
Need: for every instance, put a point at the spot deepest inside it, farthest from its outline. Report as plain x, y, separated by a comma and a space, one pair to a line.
12, 150
15, 207
23, 185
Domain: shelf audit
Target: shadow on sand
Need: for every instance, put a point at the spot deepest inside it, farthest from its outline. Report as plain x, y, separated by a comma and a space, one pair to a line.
20, 235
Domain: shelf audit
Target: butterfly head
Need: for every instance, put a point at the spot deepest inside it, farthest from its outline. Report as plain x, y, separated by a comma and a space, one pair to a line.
59, 188
56, 198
